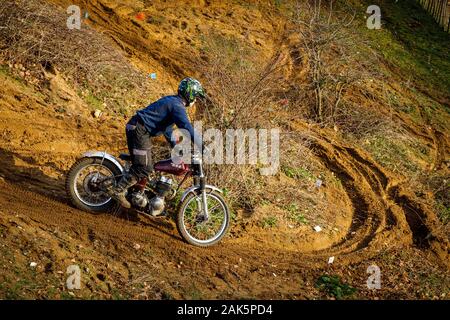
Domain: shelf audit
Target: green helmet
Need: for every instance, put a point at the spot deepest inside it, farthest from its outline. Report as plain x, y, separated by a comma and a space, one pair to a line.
190, 89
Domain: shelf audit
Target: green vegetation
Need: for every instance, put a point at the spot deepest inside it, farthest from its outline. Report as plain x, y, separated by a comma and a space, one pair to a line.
117, 294
297, 173
5, 71
295, 215
93, 102
18, 289
66, 296
443, 212
269, 222
392, 153
411, 40
333, 286
193, 293
336, 181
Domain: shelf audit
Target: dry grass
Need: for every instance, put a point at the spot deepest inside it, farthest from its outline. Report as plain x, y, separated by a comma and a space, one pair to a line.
239, 89
34, 36
338, 65
243, 93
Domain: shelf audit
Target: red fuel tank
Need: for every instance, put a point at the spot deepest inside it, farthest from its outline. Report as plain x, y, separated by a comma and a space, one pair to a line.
169, 167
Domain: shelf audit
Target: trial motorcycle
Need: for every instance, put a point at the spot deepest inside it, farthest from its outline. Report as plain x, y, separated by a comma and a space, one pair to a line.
202, 218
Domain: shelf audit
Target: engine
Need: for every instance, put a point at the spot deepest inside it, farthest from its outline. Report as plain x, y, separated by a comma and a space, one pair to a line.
156, 205
163, 188
139, 200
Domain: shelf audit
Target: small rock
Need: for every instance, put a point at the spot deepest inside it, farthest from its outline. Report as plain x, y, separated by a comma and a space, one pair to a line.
97, 113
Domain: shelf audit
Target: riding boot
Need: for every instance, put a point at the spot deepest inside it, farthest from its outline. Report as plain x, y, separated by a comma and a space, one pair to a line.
120, 191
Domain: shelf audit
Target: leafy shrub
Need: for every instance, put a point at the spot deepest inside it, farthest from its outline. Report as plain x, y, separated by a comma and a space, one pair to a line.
332, 285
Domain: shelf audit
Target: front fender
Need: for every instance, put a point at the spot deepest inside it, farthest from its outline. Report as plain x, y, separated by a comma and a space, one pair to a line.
104, 155
192, 189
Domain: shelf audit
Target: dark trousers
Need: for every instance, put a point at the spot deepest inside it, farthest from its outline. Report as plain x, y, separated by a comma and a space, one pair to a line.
139, 146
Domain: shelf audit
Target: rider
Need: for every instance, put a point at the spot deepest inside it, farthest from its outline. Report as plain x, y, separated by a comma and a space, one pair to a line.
156, 119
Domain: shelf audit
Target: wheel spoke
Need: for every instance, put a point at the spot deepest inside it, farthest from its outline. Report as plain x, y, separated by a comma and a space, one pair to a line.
196, 226
86, 185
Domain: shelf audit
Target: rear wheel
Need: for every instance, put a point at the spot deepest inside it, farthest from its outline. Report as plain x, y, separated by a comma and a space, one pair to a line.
193, 225
83, 184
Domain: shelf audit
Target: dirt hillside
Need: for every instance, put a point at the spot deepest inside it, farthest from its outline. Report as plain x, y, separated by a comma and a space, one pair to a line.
383, 202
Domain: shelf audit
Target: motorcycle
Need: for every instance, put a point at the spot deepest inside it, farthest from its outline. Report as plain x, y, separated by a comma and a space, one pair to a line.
202, 216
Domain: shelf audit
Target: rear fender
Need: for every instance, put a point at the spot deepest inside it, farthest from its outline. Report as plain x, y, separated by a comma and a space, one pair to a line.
104, 156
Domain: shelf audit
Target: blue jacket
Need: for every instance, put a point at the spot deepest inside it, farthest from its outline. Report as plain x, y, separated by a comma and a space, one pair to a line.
160, 116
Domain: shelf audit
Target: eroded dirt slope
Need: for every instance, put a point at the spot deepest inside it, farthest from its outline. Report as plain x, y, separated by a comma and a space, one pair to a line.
381, 221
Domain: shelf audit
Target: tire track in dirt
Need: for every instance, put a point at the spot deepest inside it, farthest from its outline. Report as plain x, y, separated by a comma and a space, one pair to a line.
385, 213
213, 266
442, 146
435, 139
159, 234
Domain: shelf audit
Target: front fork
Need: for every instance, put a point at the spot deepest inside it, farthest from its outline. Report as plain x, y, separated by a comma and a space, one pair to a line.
201, 182
204, 199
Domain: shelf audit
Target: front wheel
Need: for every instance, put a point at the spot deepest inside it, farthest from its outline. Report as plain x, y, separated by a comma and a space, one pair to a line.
192, 224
